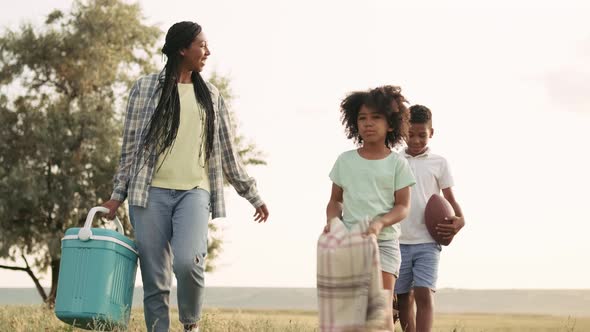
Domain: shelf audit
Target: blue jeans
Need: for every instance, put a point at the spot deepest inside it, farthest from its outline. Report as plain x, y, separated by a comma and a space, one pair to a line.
171, 234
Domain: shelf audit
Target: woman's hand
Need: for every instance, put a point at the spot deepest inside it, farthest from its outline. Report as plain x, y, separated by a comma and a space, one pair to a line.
261, 213
112, 205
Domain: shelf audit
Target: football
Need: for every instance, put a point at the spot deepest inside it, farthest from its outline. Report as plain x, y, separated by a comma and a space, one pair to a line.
437, 209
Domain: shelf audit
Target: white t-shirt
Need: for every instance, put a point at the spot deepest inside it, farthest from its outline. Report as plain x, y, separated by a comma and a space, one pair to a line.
432, 174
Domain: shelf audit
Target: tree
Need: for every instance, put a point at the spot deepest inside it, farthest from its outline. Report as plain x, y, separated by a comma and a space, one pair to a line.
59, 128
61, 124
247, 150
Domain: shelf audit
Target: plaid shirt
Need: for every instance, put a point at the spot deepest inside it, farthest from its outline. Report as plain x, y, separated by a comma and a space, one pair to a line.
133, 178
350, 290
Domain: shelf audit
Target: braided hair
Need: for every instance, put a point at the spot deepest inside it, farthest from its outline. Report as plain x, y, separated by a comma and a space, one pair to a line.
164, 123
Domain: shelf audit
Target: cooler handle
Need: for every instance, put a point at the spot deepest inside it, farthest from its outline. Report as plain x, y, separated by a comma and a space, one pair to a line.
85, 233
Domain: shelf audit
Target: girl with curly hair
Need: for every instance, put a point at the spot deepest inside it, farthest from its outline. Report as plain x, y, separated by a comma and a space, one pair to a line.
373, 182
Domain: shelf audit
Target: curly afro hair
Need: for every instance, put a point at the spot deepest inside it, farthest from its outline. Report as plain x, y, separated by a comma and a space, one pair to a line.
420, 114
386, 100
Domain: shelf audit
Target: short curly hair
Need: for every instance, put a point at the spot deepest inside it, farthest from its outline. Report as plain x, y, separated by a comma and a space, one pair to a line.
420, 114
386, 100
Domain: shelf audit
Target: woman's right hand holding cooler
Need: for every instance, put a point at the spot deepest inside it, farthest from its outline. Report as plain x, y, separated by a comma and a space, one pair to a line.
112, 205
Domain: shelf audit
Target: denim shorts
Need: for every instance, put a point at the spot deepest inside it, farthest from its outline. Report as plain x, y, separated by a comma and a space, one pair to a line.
389, 256
419, 266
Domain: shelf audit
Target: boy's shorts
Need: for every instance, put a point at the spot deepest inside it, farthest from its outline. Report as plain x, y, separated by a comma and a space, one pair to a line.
389, 256
419, 266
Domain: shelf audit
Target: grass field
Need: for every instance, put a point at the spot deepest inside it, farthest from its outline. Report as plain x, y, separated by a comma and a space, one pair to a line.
36, 318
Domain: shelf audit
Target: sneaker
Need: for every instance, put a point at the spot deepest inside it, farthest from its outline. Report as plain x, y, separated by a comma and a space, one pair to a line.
191, 328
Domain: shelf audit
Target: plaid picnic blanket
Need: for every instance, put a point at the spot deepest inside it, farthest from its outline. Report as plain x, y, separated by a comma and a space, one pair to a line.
349, 284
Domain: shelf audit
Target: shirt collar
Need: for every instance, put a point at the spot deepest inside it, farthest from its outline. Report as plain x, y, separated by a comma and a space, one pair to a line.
422, 155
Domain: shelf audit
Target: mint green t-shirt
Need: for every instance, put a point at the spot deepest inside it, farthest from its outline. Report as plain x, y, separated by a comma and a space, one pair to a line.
369, 186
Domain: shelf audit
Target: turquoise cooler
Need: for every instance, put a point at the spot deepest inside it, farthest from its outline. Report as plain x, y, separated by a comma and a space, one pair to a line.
96, 276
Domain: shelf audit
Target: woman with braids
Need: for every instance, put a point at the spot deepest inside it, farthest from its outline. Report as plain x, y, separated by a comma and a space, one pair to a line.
177, 148
373, 182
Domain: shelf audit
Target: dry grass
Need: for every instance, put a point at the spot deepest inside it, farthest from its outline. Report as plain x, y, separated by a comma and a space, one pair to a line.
36, 318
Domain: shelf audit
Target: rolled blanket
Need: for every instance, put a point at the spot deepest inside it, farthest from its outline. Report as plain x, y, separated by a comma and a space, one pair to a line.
349, 284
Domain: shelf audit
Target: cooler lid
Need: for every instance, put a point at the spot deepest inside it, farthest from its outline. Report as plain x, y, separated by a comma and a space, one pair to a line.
102, 234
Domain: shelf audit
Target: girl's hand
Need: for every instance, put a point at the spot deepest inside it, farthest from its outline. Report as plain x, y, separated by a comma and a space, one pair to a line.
328, 223
375, 228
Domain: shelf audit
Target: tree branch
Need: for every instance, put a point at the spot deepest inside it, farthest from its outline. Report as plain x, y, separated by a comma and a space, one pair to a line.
15, 268
27, 269
31, 274
40, 288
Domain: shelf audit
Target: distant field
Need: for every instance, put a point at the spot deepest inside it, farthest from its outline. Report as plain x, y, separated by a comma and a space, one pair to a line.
36, 318
573, 302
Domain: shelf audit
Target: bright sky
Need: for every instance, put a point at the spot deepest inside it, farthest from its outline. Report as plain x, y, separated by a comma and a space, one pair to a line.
507, 84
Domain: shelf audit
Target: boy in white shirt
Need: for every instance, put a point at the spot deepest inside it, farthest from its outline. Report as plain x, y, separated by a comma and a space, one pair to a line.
420, 252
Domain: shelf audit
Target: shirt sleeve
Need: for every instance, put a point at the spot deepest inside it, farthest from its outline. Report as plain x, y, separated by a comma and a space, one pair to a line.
445, 179
121, 178
335, 175
403, 175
